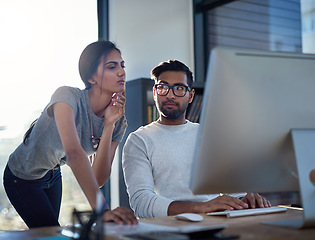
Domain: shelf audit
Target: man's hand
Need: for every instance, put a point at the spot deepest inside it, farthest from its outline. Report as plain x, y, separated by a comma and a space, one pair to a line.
223, 202
120, 215
254, 200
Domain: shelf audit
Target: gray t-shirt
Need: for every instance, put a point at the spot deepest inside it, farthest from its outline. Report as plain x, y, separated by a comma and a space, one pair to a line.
43, 149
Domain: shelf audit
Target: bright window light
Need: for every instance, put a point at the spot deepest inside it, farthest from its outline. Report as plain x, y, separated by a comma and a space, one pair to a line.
40, 45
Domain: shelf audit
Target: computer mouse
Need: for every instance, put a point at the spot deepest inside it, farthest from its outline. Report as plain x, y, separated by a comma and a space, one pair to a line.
192, 217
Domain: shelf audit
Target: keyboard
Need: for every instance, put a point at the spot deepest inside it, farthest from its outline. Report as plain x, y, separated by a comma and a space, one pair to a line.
248, 212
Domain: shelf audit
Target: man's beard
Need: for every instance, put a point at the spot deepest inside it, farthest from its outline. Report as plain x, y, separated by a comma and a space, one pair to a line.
171, 113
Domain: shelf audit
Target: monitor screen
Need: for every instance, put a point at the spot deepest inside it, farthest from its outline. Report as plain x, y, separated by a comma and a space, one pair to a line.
252, 100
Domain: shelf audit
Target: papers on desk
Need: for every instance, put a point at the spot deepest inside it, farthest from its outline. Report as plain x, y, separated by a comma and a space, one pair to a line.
114, 229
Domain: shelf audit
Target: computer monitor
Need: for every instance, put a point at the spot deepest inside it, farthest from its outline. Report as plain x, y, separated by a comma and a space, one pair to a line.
257, 126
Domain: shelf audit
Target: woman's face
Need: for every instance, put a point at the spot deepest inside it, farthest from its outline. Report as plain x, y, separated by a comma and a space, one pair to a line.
110, 75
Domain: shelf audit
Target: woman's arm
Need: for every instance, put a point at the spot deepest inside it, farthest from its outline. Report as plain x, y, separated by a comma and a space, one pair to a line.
107, 148
75, 155
80, 164
104, 156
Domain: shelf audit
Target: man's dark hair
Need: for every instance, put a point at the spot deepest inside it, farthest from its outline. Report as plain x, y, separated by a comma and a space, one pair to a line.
172, 65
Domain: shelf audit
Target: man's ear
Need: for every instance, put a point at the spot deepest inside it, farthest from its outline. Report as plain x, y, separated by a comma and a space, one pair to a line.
191, 95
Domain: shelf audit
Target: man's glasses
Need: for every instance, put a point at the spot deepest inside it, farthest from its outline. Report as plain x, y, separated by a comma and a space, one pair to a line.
178, 90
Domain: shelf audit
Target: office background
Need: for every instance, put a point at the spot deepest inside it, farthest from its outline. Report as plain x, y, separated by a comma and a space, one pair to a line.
147, 31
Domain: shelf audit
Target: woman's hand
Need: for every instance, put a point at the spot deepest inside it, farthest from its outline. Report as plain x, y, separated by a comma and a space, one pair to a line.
115, 109
120, 215
107, 147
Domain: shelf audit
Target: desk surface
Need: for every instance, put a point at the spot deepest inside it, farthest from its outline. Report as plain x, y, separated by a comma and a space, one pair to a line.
245, 227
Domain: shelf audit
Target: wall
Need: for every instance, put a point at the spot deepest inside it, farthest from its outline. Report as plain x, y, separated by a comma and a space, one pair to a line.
273, 25
150, 31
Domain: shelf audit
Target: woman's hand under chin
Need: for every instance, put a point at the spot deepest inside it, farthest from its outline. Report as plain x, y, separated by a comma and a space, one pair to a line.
115, 109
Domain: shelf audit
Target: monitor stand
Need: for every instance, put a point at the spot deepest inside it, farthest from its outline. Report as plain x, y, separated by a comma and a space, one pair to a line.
304, 148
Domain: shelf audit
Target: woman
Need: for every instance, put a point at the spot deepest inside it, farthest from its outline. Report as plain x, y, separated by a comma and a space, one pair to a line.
73, 126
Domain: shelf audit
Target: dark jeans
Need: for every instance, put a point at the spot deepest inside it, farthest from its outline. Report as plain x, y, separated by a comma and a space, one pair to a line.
36, 201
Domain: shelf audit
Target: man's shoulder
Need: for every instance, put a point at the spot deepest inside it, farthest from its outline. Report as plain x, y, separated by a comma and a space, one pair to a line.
192, 125
144, 129
143, 135
144, 132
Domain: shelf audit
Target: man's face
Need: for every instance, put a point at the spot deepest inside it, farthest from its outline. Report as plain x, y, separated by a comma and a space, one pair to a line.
170, 106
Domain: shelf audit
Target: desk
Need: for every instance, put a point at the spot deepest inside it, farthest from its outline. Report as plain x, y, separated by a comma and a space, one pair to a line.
250, 227
246, 227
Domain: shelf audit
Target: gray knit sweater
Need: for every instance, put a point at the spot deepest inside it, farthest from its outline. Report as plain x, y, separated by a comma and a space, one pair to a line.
157, 161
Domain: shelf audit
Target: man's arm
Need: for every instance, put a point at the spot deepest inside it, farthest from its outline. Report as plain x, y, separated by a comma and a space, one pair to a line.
219, 203
145, 202
139, 180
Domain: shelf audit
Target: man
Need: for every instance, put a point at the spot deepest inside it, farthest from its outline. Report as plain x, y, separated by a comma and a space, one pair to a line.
157, 158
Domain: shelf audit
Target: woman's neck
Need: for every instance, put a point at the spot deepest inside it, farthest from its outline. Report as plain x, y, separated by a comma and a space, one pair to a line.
99, 101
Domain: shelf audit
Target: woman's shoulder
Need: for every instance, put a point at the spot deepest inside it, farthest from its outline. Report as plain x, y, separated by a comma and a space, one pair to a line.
69, 95
66, 92
73, 90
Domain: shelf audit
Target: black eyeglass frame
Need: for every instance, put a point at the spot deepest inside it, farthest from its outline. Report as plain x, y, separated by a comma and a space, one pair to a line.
171, 87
